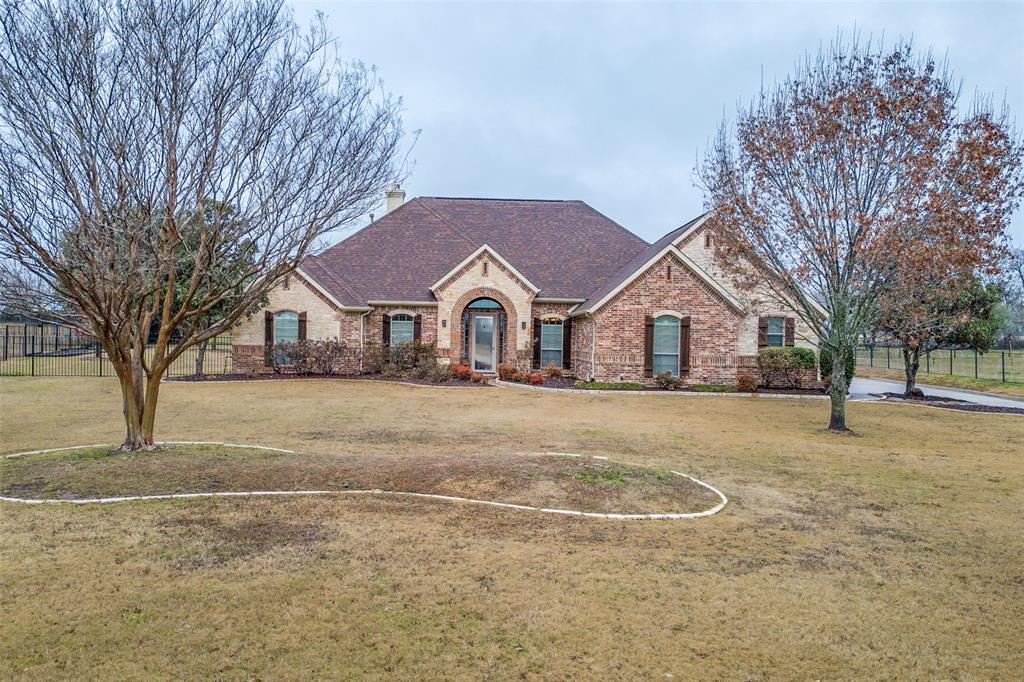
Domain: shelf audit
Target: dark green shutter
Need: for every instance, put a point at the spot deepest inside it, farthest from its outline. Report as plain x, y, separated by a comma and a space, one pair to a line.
385, 326
536, 342
762, 332
268, 339
790, 331
417, 327
302, 326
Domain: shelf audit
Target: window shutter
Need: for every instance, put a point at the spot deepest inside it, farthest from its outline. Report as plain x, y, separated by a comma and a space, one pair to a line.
648, 346
385, 330
790, 331
417, 327
268, 339
567, 343
302, 326
536, 343
762, 332
684, 344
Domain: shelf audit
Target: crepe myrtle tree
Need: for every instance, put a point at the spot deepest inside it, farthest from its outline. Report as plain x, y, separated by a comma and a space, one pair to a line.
163, 160
832, 182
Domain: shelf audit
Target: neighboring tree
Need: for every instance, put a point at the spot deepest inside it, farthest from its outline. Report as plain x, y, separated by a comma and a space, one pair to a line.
957, 312
1013, 299
837, 176
236, 259
121, 121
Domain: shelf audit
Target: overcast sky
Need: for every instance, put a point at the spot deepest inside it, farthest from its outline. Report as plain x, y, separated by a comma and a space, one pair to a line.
612, 103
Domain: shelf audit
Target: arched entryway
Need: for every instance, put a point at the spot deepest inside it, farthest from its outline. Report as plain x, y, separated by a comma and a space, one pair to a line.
484, 329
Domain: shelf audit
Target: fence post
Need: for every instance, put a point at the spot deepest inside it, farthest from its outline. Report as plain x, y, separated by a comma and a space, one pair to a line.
888, 358
1002, 363
975, 364
7, 328
928, 362
33, 355
950, 362
99, 354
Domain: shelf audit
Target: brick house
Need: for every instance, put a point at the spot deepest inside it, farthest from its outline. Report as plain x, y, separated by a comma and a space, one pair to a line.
526, 283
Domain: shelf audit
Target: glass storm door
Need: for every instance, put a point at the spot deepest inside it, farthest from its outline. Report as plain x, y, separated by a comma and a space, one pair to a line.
483, 343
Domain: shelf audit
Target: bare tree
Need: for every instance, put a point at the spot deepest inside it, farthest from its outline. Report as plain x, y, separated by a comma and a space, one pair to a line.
841, 178
122, 122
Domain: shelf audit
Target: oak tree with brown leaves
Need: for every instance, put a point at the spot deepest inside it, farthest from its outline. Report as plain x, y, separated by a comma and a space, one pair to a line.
853, 181
164, 161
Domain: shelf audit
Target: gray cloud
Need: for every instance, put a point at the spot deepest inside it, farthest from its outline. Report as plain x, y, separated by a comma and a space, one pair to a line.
613, 104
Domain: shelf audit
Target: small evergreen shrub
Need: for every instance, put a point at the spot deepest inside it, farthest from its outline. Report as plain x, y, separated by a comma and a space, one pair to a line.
825, 362
607, 386
784, 366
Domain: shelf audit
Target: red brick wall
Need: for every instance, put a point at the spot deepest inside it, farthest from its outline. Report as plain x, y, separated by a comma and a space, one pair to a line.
714, 326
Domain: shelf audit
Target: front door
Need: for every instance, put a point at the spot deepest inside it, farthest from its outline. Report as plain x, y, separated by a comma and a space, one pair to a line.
484, 343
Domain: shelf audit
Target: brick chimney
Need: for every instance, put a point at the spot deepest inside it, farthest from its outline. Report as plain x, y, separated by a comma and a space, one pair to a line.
395, 196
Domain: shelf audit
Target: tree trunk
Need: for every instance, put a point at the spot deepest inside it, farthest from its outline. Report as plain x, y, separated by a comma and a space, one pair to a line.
199, 357
837, 392
911, 363
138, 402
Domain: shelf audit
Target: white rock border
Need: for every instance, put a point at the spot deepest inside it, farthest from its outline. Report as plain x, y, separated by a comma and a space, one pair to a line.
372, 491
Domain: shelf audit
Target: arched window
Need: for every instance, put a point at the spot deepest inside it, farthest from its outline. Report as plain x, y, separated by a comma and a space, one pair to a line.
666, 345
487, 303
402, 328
286, 327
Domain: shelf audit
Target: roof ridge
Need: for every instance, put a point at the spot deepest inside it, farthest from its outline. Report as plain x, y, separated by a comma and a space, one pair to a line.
550, 201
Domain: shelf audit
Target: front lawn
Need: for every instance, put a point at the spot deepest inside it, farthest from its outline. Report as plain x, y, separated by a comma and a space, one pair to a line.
891, 554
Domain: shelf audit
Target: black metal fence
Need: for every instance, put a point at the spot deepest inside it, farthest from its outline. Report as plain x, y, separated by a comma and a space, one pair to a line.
999, 365
83, 356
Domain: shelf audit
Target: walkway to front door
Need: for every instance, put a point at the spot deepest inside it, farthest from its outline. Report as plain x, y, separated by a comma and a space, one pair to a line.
483, 343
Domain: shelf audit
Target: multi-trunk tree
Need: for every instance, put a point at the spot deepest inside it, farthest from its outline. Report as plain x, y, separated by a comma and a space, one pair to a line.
163, 165
832, 183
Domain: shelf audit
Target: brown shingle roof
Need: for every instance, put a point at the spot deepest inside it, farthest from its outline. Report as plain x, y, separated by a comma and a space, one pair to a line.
565, 248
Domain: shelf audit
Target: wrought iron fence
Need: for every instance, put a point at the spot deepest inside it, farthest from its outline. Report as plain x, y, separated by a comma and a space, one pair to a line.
83, 356
999, 365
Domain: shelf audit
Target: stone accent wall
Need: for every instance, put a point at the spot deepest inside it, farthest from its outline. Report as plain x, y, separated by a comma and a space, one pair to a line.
714, 326
582, 344
499, 283
323, 321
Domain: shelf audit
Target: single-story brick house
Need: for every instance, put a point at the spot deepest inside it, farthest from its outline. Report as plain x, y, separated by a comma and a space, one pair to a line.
526, 283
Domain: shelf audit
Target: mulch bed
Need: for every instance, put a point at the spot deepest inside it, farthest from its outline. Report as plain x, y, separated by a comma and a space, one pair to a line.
346, 377
951, 403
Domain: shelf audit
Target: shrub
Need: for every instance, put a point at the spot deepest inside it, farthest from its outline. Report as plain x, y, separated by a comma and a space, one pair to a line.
535, 378
553, 370
784, 366
507, 372
825, 362
375, 356
668, 382
309, 357
461, 371
477, 377
746, 383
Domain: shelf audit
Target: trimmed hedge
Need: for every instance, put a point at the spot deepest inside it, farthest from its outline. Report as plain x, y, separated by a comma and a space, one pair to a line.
602, 386
785, 366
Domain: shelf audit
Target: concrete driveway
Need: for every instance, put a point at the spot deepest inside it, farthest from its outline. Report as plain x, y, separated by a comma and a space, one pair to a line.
861, 389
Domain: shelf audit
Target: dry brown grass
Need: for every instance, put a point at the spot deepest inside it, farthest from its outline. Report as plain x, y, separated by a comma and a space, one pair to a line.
893, 554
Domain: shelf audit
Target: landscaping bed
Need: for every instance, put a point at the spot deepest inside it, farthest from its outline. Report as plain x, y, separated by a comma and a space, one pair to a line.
451, 381
951, 403
577, 483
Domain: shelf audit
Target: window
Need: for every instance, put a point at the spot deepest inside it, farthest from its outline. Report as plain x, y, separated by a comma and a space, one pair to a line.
707, 240
401, 329
484, 303
286, 330
776, 331
551, 343
666, 345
